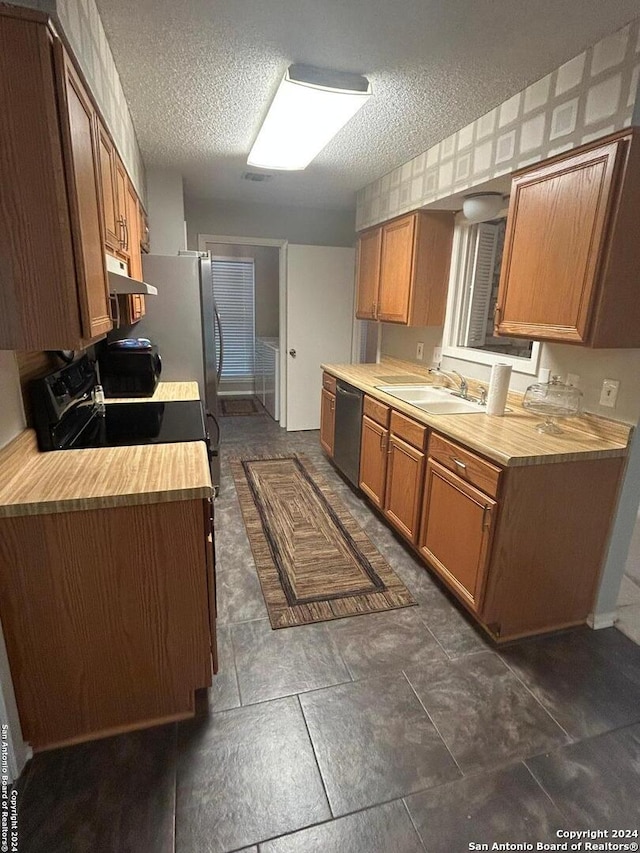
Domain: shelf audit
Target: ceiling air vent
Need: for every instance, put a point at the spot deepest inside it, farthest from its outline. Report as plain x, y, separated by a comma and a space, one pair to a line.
259, 177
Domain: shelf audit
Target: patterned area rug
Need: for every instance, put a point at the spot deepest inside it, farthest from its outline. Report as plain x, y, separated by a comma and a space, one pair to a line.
313, 560
235, 406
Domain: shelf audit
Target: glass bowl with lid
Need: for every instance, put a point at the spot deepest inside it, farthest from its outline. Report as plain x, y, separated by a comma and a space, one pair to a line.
552, 400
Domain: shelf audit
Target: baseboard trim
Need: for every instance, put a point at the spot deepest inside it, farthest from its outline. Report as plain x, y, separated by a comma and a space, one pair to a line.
601, 620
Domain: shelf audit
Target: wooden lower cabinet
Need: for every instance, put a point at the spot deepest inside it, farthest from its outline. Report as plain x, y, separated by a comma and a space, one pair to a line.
456, 531
403, 494
106, 629
327, 420
374, 440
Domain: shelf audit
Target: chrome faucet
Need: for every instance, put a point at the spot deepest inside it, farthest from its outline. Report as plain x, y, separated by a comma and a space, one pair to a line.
464, 387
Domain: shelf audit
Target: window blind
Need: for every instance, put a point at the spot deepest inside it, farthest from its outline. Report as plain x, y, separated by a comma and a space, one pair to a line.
483, 260
233, 290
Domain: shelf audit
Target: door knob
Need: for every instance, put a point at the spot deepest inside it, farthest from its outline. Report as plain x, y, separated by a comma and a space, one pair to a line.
292, 353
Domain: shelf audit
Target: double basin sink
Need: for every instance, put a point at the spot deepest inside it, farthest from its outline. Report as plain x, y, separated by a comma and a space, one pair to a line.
434, 401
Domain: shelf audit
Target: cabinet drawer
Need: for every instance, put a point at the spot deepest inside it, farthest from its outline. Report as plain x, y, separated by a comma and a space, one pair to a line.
378, 412
466, 464
329, 382
411, 431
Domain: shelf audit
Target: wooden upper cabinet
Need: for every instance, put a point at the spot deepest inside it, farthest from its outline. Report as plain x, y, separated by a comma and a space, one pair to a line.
107, 161
145, 245
53, 291
121, 202
570, 266
82, 160
396, 269
132, 231
403, 269
368, 275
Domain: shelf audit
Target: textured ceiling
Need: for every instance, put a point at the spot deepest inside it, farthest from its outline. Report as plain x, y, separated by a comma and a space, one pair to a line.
199, 75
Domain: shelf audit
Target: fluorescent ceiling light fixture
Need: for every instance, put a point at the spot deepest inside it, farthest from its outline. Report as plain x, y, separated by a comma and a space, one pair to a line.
309, 108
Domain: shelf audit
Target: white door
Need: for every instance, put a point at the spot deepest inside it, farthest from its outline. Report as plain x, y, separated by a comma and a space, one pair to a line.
320, 289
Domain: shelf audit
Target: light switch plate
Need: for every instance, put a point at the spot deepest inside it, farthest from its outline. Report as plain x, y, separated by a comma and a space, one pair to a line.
420, 351
437, 355
544, 374
609, 393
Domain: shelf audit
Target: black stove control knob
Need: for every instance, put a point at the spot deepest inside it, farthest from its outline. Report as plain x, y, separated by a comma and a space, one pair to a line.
59, 389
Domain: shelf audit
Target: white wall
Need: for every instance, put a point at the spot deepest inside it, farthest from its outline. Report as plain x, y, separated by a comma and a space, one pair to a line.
165, 202
312, 226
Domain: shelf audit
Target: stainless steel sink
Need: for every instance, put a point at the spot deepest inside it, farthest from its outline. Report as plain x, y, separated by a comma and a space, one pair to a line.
434, 401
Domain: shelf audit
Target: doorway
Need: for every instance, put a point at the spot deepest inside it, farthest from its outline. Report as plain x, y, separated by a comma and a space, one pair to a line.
246, 285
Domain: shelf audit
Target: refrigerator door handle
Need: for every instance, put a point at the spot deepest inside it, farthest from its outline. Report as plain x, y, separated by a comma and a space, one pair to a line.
221, 342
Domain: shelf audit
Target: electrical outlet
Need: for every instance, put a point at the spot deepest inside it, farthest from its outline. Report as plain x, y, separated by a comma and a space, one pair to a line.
420, 351
573, 379
437, 355
609, 393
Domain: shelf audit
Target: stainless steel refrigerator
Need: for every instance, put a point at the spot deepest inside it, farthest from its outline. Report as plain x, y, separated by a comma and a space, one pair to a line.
184, 322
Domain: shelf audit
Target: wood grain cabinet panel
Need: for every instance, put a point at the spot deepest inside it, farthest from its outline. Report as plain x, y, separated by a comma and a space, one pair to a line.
327, 421
403, 269
77, 120
368, 274
456, 532
53, 285
107, 163
396, 270
403, 494
105, 630
569, 270
374, 441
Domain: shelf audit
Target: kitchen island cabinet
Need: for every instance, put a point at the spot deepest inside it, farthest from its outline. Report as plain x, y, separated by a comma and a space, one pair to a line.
570, 267
504, 516
107, 587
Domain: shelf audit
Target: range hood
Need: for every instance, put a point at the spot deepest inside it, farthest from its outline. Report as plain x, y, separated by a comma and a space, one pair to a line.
121, 282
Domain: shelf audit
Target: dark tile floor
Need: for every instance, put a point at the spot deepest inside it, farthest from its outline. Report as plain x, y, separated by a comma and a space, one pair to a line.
396, 732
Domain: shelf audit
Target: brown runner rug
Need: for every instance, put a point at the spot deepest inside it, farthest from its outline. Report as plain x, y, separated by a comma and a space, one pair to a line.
234, 406
313, 560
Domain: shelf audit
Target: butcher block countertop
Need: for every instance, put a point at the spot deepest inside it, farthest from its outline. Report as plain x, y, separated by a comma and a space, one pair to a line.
509, 440
35, 483
164, 393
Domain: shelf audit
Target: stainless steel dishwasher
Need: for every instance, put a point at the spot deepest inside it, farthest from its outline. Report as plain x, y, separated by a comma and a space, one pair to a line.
346, 442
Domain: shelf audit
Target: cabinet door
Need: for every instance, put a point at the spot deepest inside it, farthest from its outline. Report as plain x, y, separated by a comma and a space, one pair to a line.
456, 531
557, 227
121, 202
107, 164
396, 269
403, 494
327, 420
369, 246
132, 232
83, 175
373, 460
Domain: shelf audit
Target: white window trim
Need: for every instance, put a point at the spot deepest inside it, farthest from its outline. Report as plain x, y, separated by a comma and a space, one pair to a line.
454, 306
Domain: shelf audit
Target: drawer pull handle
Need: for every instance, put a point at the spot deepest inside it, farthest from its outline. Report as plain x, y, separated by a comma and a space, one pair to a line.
459, 464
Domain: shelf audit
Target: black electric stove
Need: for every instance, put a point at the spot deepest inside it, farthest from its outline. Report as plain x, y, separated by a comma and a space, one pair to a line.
67, 416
